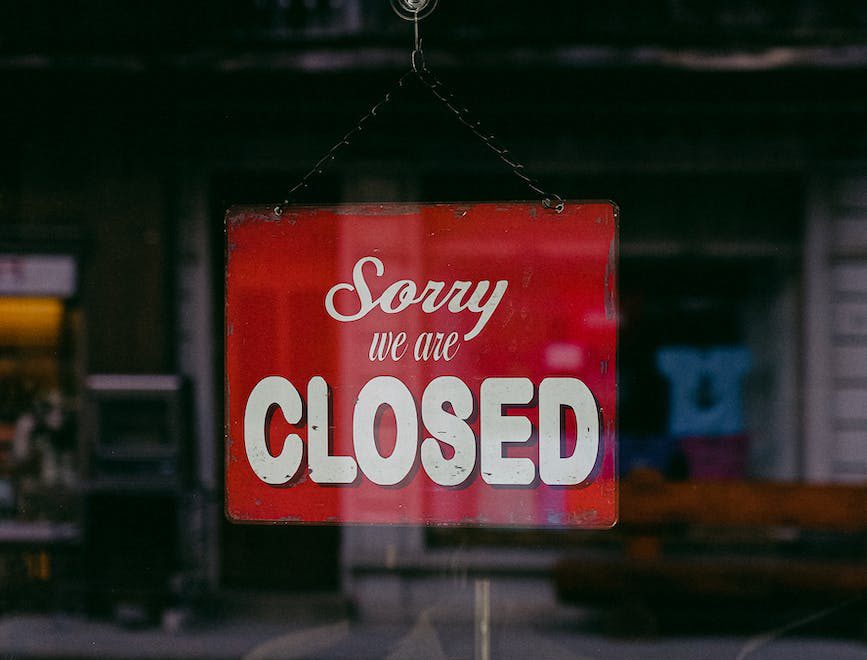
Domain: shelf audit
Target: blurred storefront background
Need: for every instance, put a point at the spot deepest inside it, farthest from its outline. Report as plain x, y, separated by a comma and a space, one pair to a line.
733, 136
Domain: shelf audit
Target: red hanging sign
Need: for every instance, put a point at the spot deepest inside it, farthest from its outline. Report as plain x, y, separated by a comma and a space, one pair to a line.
434, 364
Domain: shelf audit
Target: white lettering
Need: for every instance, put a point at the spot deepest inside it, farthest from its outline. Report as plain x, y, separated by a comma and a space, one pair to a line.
378, 392
436, 345
324, 468
555, 469
400, 295
498, 429
384, 343
446, 407
365, 301
268, 393
450, 429
475, 304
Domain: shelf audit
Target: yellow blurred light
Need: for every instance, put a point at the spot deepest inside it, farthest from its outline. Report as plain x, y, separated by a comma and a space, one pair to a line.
30, 322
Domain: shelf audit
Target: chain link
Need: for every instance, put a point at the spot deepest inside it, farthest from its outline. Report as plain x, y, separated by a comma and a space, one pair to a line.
442, 93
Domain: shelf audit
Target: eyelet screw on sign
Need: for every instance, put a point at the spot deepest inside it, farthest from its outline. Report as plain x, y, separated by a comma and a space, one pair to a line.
554, 203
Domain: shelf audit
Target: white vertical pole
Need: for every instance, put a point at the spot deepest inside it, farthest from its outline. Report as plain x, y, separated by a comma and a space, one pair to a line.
483, 619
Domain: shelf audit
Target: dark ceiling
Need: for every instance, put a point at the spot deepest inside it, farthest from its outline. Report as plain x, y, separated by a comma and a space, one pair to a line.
164, 26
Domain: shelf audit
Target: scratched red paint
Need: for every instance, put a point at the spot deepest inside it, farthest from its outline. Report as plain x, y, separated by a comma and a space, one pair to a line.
557, 318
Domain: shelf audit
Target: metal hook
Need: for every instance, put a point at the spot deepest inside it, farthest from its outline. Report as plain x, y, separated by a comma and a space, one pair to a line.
417, 58
410, 10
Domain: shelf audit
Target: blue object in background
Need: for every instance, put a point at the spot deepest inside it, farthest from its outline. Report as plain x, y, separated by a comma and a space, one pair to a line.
705, 389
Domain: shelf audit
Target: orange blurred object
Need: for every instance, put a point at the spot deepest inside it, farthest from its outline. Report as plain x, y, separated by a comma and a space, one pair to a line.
32, 322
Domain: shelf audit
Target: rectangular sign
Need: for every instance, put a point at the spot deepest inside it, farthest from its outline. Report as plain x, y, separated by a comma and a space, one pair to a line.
435, 364
38, 275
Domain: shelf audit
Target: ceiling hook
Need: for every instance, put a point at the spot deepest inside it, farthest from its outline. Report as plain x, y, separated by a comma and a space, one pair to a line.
411, 10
